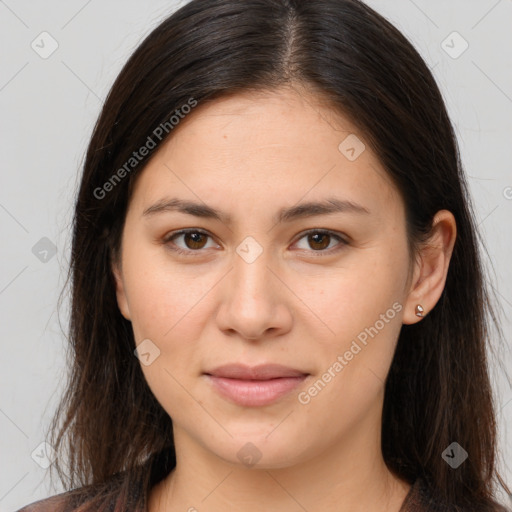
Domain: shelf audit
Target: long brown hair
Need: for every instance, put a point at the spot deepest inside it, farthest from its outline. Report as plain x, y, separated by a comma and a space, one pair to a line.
119, 439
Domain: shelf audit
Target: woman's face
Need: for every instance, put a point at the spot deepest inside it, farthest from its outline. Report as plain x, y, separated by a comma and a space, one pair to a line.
297, 256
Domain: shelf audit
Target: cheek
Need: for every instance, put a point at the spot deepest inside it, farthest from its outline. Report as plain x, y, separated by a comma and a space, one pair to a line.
362, 304
166, 308
368, 289
162, 297
363, 308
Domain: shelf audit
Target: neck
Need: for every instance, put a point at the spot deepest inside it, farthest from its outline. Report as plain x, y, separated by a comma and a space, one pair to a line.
349, 477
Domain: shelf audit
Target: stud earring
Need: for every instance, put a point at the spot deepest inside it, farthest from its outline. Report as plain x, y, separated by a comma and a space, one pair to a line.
419, 310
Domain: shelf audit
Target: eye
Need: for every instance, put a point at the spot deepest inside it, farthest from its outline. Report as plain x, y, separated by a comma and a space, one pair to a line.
194, 241
320, 239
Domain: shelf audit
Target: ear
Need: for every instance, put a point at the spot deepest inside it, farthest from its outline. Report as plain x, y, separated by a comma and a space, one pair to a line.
431, 267
122, 300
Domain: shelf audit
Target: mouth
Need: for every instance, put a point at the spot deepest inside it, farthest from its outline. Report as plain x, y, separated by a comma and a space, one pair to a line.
254, 386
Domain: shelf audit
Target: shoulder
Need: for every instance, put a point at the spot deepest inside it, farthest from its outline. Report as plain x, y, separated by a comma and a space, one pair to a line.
55, 503
423, 497
102, 496
68, 501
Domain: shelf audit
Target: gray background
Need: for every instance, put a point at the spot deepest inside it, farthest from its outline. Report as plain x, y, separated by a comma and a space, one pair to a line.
49, 106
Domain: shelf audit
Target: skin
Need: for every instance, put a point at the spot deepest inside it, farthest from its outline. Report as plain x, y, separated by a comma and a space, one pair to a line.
300, 303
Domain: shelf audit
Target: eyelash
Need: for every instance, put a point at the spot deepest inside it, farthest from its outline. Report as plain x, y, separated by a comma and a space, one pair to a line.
190, 252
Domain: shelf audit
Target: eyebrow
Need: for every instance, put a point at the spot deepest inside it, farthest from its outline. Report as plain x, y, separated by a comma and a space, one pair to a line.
309, 209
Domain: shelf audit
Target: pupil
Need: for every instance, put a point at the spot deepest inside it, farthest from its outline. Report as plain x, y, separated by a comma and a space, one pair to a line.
320, 235
196, 244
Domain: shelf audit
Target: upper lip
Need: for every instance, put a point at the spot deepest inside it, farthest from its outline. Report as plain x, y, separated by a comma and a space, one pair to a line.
259, 372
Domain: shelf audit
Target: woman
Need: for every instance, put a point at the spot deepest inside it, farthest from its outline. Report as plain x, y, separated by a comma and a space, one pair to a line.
278, 301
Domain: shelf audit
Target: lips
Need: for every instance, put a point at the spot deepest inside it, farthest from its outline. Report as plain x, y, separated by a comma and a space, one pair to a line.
261, 372
253, 386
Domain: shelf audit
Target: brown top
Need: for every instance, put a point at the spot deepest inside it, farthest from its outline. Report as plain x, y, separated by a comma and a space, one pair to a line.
418, 499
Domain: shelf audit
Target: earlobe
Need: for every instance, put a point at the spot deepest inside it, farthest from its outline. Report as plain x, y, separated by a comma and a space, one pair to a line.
431, 268
419, 311
122, 301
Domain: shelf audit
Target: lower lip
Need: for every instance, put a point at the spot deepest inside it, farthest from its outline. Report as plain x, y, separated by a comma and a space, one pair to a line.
254, 393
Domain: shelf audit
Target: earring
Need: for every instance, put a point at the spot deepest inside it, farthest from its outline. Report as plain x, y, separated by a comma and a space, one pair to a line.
419, 310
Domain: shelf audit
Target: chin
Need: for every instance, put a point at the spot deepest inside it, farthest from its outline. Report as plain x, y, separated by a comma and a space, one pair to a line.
259, 450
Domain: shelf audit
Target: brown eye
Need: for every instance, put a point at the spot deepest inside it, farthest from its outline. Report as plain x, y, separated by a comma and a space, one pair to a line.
188, 241
321, 241
194, 240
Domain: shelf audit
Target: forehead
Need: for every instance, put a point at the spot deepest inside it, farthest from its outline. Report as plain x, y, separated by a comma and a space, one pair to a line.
277, 147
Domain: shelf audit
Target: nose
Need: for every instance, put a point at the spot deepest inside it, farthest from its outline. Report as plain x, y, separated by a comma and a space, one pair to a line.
254, 303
